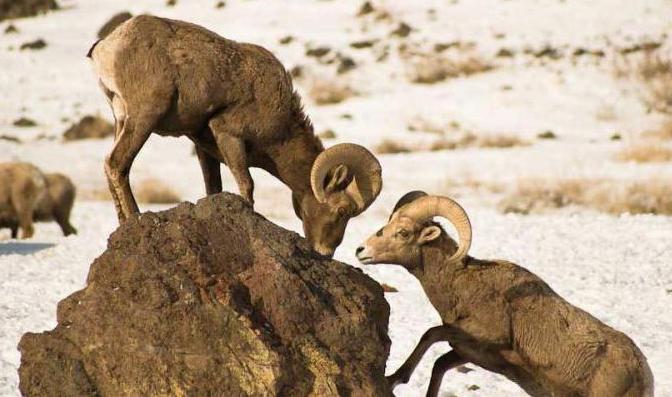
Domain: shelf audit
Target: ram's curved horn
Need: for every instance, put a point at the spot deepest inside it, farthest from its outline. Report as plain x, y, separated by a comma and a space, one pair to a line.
407, 198
362, 165
427, 207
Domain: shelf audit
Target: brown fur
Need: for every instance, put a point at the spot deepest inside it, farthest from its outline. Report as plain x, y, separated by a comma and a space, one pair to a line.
235, 101
22, 186
505, 319
54, 205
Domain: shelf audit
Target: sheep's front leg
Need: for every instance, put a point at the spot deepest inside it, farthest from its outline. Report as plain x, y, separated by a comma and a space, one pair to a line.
403, 374
233, 151
441, 365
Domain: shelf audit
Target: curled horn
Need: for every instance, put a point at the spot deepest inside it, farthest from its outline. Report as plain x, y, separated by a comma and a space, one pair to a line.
427, 207
362, 165
407, 198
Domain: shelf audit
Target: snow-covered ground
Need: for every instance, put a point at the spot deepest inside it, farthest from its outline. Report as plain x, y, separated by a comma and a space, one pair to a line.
616, 267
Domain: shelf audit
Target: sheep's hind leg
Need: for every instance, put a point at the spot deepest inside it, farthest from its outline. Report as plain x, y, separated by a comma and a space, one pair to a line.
441, 365
24, 211
403, 374
233, 151
211, 172
118, 164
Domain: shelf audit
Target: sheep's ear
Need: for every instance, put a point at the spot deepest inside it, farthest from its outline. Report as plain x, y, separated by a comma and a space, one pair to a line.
338, 179
430, 233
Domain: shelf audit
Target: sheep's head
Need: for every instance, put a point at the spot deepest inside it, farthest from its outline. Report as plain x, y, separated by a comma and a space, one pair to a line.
410, 227
345, 180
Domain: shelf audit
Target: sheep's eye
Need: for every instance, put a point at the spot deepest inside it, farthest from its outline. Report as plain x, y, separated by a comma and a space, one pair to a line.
403, 233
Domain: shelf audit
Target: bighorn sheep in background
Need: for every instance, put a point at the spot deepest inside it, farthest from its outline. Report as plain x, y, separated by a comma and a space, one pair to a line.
27, 195
236, 102
500, 316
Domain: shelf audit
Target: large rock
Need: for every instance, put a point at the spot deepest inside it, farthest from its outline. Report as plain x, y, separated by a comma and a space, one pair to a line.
212, 300
25, 8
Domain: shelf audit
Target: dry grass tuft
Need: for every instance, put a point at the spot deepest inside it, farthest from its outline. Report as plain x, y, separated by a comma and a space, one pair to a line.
468, 140
99, 194
652, 196
430, 68
154, 191
645, 152
389, 146
328, 92
663, 133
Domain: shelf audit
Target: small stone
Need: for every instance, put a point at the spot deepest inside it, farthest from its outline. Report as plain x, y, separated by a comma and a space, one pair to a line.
548, 134
366, 8
33, 45
345, 64
24, 122
11, 29
220, 4
403, 30
286, 40
317, 52
473, 387
363, 44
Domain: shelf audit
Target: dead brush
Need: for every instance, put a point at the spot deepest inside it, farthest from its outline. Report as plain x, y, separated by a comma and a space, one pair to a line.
469, 140
326, 91
654, 73
652, 196
645, 152
155, 191
432, 67
390, 146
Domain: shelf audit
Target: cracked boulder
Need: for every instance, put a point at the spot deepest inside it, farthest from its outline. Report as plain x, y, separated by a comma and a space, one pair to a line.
212, 299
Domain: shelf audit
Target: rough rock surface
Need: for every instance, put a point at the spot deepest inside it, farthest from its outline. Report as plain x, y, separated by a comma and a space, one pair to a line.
25, 8
89, 127
212, 300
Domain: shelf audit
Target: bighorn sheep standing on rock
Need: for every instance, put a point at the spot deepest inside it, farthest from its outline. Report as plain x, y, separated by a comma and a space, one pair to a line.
236, 102
500, 316
28, 195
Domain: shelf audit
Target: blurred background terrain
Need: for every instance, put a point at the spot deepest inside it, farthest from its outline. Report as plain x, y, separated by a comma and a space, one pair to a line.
550, 121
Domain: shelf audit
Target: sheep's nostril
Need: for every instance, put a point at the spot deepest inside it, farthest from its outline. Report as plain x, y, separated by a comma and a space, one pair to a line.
359, 250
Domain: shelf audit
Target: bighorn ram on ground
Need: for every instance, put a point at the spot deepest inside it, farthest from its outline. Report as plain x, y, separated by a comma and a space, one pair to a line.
236, 102
28, 195
500, 316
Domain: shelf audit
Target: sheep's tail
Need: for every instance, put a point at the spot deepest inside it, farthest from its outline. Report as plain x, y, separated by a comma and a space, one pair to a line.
90, 53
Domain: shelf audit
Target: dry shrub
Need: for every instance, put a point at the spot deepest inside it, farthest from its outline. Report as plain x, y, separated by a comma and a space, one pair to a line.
389, 146
423, 125
500, 141
98, 194
327, 92
663, 133
652, 196
154, 191
471, 140
645, 152
654, 72
430, 68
